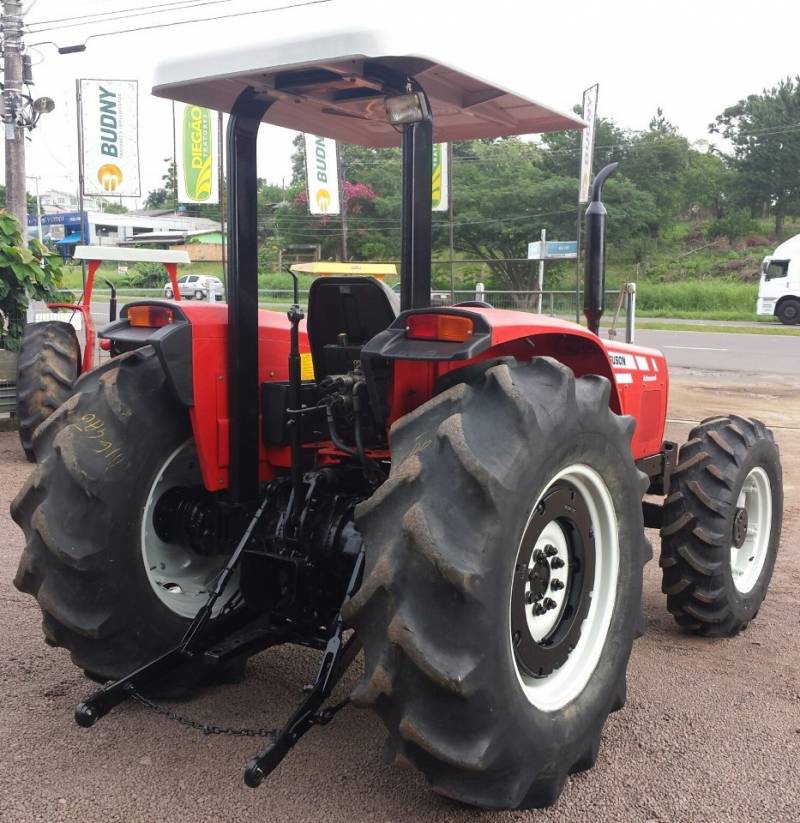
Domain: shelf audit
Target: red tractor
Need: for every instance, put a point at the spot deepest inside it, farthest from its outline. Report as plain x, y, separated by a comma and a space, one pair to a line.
458, 491
50, 358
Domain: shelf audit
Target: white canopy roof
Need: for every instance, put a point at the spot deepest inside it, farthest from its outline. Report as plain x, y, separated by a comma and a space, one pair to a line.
333, 85
121, 255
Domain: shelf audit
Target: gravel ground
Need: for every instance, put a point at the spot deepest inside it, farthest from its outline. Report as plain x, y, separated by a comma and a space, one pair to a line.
711, 731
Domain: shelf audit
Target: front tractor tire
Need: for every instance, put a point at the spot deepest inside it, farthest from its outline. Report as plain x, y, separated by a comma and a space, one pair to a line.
110, 589
502, 586
49, 363
722, 525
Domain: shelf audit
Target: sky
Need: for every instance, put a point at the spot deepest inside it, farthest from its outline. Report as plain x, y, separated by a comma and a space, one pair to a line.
692, 58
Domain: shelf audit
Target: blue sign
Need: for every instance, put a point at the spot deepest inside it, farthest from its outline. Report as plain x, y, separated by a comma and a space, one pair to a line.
62, 218
554, 250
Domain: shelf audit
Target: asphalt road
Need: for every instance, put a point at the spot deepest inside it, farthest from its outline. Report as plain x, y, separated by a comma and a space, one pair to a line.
710, 732
707, 351
717, 351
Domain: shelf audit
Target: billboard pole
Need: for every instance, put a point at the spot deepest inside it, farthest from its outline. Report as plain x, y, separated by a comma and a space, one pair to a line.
221, 174
589, 113
578, 269
541, 272
450, 217
175, 160
79, 118
342, 199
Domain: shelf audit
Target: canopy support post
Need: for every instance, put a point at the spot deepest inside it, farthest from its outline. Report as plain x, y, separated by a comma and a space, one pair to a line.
243, 385
415, 255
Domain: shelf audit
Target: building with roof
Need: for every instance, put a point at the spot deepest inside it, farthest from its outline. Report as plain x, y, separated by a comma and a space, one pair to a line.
65, 230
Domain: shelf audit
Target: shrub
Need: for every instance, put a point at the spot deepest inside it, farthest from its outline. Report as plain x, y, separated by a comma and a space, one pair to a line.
733, 225
688, 297
145, 276
27, 273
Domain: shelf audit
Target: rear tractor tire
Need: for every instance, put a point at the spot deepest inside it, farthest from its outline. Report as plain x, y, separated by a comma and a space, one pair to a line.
502, 587
49, 364
722, 525
111, 590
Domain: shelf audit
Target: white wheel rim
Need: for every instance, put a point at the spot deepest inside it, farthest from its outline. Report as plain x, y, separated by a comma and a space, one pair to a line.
180, 577
747, 562
553, 691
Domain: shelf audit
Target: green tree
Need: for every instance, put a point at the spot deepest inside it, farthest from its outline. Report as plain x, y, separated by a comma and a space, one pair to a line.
164, 197
372, 193
708, 183
657, 162
562, 149
115, 208
766, 148
505, 196
30, 198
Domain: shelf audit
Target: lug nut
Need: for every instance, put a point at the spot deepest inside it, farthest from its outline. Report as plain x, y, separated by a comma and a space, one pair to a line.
550, 551
556, 585
549, 603
530, 598
538, 555
556, 563
539, 610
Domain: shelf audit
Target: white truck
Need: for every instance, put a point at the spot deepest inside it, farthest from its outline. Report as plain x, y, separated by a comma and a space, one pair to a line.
779, 288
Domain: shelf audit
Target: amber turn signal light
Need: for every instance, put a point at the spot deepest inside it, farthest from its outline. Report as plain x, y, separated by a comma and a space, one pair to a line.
449, 327
152, 317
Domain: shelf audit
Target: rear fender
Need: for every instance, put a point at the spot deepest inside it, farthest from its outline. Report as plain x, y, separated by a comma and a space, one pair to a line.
638, 376
194, 354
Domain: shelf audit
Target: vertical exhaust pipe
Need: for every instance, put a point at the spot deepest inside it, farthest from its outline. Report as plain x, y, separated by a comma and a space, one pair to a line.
595, 276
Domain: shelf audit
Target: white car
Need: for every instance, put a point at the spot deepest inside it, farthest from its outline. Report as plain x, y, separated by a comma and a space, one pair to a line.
196, 287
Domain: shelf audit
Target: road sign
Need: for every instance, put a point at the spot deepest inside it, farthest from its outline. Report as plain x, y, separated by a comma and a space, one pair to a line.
553, 250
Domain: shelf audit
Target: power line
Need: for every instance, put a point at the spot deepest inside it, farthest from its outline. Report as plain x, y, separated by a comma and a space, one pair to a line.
187, 22
123, 14
95, 14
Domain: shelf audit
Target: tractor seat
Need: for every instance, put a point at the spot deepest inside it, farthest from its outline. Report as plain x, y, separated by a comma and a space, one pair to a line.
343, 314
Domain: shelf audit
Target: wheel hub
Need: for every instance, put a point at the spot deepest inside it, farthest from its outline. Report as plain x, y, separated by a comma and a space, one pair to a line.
181, 536
552, 587
740, 527
539, 576
193, 517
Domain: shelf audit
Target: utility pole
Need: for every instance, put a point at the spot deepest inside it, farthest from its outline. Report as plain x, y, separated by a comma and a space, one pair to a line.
16, 201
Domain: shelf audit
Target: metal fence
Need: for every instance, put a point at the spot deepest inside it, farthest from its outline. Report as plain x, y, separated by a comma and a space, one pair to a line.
552, 303
555, 303
8, 397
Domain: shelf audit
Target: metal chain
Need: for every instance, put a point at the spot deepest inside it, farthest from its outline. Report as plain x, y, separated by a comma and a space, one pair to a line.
205, 728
